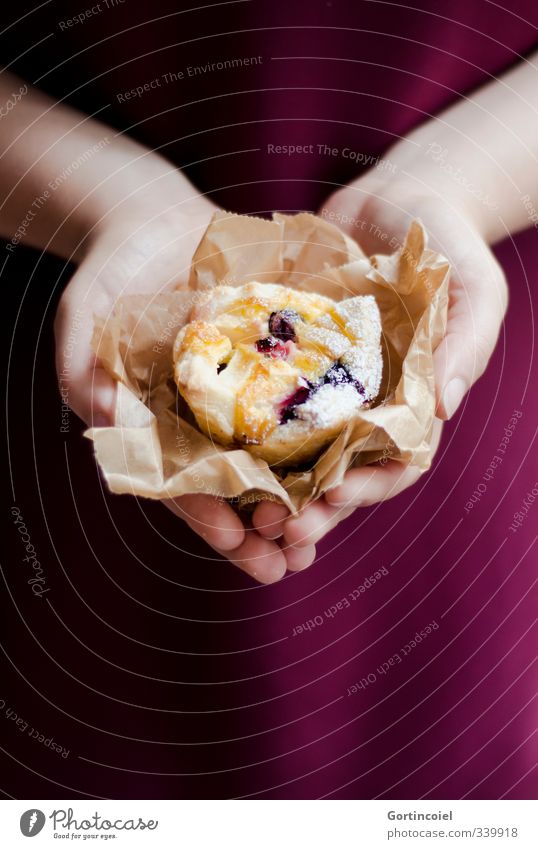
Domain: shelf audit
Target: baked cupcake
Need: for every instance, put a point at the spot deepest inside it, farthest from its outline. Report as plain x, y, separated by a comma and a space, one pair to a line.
277, 371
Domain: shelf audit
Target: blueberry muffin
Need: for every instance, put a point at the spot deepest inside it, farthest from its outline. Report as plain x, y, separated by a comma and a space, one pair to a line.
277, 371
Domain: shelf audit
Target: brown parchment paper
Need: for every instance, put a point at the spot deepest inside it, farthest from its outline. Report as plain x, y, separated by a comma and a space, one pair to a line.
154, 448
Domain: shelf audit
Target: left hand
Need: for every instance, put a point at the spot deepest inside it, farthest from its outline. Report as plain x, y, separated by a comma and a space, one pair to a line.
142, 252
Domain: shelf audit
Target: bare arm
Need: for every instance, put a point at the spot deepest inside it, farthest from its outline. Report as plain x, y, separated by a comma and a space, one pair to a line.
482, 151
471, 175
65, 177
131, 221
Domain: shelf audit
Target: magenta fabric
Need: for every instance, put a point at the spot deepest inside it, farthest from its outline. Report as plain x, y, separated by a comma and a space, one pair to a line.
164, 671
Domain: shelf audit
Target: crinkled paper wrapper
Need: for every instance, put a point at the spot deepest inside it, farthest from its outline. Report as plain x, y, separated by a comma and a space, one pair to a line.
155, 449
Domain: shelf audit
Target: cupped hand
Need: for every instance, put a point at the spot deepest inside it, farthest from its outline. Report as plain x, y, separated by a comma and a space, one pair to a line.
149, 249
377, 213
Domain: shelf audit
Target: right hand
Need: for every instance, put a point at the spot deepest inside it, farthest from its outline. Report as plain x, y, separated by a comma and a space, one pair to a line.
377, 213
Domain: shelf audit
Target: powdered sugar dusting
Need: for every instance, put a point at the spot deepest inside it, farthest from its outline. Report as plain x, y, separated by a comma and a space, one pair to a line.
330, 406
365, 364
361, 315
332, 342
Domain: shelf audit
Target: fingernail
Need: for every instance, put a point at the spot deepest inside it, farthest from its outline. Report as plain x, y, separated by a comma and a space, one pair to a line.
453, 396
333, 499
100, 420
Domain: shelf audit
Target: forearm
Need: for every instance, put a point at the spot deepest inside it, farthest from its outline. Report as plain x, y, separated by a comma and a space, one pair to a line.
64, 176
483, 150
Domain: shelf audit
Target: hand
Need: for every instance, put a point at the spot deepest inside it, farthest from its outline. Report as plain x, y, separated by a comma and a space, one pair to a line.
377, 213
149, 250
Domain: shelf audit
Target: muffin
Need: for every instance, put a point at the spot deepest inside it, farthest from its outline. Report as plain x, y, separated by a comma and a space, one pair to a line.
277, 371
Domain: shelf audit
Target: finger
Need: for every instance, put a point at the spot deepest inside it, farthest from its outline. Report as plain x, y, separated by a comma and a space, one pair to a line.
268, 519
97, 406
212, 519
84, 385
476, 310
260, 558
370, 484
298, 559
312, 524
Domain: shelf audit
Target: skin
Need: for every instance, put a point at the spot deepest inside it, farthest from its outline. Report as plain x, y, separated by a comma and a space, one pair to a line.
131, 222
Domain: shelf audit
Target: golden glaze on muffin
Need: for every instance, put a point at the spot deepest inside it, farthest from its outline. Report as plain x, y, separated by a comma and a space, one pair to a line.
278, 371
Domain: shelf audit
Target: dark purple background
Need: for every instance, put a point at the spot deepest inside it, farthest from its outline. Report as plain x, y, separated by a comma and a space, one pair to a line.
168, 673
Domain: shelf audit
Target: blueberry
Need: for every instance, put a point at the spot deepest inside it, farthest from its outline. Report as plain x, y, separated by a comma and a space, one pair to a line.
263, 346
281, 324
339, 375
272, 347
300, 396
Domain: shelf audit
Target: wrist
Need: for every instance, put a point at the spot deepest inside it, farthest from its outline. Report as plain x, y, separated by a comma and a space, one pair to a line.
124, 185
439, 166
160, 197
377, 211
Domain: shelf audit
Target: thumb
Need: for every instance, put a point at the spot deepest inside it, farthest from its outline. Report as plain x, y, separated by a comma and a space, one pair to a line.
477, 304
84, 385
